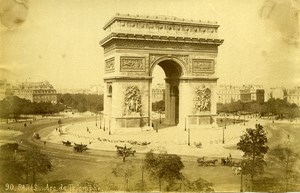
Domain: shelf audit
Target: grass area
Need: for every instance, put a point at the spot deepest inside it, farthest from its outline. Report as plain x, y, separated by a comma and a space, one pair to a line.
76, 171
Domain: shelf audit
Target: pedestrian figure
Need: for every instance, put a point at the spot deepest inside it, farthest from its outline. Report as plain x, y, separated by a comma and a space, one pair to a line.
56, 129
25, 125
44, 143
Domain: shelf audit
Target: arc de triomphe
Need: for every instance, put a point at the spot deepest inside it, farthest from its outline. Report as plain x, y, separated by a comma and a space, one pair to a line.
186, 50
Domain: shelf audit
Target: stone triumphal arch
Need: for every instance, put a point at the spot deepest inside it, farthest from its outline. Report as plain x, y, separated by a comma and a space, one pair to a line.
185, 50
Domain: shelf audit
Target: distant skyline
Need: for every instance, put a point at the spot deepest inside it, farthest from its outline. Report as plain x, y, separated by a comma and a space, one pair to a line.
59, 40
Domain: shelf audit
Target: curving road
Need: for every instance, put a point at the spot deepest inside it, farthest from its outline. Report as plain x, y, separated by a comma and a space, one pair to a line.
44, 127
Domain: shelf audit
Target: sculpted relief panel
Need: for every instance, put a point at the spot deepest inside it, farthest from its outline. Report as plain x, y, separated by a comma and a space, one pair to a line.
132, 103
110, 65
133, 64
203, 99
203, 66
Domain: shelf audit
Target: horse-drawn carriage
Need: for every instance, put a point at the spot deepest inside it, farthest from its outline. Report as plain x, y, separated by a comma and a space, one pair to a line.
36, 136
66, 143
230, 162
203, 162
80, 147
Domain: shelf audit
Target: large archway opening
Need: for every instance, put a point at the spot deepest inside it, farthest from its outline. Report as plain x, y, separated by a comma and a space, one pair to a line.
165, 86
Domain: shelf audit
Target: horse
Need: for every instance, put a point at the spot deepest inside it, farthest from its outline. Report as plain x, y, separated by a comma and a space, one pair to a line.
237, 170
211, 162
66, 143
76, 144
200, 161
226, 162
119, 147
131, 153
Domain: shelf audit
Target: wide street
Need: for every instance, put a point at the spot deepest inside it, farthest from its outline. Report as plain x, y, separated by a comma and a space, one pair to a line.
72, 167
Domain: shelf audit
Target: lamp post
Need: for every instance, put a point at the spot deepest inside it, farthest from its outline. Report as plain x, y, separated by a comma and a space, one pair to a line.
109, 133
104, 124
156, 128
184, 124
241, 189
244, 118
242, 166
223, 141
96, 119
159, 116
225, 120
142, 168
189, 133
100, 120
233, 119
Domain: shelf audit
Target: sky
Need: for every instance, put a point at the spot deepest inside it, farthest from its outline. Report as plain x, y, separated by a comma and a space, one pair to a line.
58, 40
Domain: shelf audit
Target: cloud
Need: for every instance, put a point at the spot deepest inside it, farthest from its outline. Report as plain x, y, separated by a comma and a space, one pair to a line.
13, 13
284, 17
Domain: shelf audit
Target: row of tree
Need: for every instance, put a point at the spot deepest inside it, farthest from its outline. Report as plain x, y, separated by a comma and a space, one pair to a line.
158, 106
82, 102
277, 107
13, 107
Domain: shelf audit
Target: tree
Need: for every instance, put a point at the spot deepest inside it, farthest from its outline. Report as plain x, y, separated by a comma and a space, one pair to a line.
158, 106
165, 167
59, 123
35, 162
11, 168
195, 186
254, 145
18, 165
125, 170
82, 102
283, 160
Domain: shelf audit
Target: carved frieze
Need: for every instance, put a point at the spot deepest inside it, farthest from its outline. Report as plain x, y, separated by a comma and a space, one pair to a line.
203, 66
166, 45
169, 27
110, 65
202, 99
133, 64
132, 102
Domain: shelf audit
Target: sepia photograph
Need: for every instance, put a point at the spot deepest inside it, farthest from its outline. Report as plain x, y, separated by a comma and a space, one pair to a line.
149, 96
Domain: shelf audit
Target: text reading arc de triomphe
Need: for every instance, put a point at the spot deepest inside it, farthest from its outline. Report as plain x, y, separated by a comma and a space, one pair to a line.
186, 50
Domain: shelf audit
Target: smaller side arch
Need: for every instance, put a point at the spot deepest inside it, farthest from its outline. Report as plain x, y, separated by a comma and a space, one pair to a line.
109, 93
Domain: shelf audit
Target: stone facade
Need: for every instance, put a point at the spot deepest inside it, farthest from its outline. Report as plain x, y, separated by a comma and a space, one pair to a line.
158, 93
229, 93
36, 92
252, 93
293, 96
185, 50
